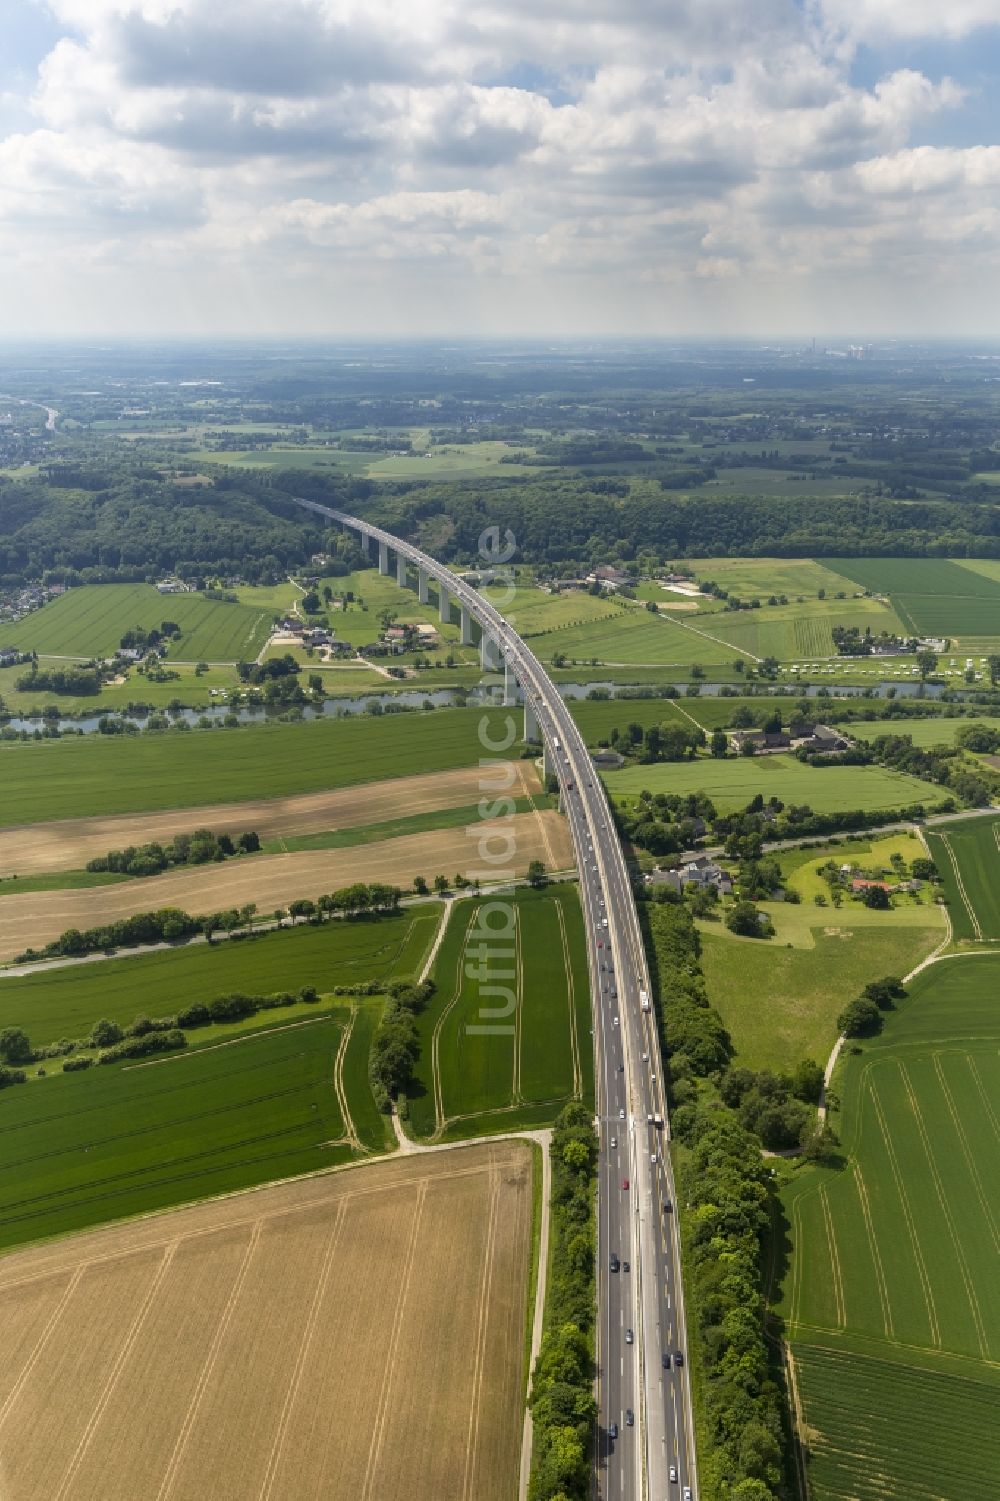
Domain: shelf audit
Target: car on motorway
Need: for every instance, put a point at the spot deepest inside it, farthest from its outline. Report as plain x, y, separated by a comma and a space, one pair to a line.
673, 1474
668, 1205
625, 1184
621, 1115
687, 1493
615, 1263
629, 1418
666, 1360
625, 1266
678, 1358
629, 1337
612, 1430
614, 1141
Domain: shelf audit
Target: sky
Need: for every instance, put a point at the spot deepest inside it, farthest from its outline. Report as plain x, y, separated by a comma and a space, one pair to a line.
397, 168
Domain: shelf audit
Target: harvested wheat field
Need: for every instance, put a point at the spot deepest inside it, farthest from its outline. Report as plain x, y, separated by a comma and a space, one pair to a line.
353, 1336
68, 843
31, 919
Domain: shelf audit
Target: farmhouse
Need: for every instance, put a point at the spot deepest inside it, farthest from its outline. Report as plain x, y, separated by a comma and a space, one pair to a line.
608, 577
820, 738
862, 883
763, 742
697, 871
607, 758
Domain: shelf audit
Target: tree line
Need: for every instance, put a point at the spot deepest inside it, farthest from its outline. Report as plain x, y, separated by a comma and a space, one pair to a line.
200, 848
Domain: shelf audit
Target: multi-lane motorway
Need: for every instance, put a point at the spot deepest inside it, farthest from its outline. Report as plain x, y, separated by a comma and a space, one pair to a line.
645, 1441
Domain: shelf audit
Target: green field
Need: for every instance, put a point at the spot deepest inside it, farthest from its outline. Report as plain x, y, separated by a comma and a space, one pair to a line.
532, 611
932, 596
794, 631
187, 688
805, 987
892, 1303
66, 1002
90, 622
934, 730
733, 782
540, 1053
636, 636
130, 774
79, 1149
757, 578
967, 853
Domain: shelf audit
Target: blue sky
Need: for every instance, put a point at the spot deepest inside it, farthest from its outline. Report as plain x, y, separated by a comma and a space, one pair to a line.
395, 167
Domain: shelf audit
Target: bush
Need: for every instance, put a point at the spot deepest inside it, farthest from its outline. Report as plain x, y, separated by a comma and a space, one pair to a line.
104, 1034
862, 1018
11, 1076
15, 1046
74, 1065
144, 1047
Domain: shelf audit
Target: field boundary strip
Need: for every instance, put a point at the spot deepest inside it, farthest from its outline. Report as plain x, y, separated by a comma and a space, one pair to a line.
880, 1279
305, 1346
946, 1214
963, 1140
970, 909
831, 1240
482, 1325
515, 1095
983, 1095
918, 1255
208, 1365
574, 1040
43, 1338
378, 1427
111, 1383
440, 1120
350, 1132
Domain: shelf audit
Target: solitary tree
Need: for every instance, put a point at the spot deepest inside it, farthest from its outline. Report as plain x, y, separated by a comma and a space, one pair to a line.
536, 874
15, 1045
927, 662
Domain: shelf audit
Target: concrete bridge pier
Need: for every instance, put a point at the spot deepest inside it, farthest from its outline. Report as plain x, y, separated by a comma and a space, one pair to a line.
466, 619
548, 761
511, 687
531, 731
444, 605
383, 558
422, 585
365, 543
400, 570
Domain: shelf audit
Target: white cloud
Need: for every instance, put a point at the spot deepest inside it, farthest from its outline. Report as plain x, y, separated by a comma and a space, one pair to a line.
651, 143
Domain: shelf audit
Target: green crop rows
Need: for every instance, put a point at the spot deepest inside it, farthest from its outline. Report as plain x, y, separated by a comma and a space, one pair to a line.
118, 774
83, 1148
66, 1002
732, 783
91, 621
967, 854
931, 595
537, 1051
894, 1255
888, 1431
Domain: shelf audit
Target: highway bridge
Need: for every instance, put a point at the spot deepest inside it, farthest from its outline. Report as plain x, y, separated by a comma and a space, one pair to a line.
645, 1447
